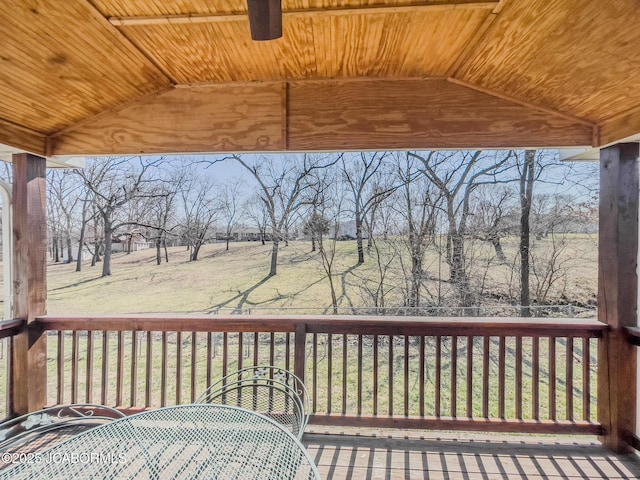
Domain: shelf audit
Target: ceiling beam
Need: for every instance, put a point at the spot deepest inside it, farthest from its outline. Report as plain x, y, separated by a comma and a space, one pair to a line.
533, 106
302, 13
22, 138
624, 125
323, 115
184, 120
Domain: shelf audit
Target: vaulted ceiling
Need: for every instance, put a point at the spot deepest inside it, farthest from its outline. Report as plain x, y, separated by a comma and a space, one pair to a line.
85, 77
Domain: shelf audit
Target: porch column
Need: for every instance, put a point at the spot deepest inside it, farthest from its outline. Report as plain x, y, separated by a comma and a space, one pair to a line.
29, 348
617, 292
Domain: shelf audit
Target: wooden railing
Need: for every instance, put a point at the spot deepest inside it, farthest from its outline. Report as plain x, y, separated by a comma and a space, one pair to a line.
506, 374
633, 335
8, 328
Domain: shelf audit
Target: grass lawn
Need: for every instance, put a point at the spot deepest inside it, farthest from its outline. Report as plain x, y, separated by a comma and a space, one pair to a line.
224, 281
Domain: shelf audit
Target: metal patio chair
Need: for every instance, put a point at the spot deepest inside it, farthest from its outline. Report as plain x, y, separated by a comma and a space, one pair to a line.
43, 428
271, 391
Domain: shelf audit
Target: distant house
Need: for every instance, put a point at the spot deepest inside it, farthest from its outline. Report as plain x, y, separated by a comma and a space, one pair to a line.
133, 241
242, 234
347, 231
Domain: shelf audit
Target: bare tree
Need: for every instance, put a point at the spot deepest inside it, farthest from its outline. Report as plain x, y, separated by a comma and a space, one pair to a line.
281, 189
527, 179
365, 179
230, 201
419, 206
457, 175
114, 183
64, 198
85, 199
256, 210
200, 210
493, 217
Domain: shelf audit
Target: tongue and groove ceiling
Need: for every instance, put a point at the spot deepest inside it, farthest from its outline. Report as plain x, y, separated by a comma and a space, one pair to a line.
88, 77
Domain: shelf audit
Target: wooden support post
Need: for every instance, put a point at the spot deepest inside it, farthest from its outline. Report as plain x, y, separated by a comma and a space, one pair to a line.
617, 292
29, 348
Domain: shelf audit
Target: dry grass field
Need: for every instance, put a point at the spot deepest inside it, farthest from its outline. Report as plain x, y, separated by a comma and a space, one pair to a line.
226, 281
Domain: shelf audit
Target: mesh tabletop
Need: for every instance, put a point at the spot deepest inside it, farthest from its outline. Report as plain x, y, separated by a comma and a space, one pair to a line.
186, 441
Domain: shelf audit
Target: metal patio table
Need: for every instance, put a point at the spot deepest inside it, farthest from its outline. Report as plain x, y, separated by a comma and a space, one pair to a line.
185, 441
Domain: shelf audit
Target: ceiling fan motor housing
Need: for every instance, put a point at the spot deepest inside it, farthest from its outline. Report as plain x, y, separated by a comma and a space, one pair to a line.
265, 19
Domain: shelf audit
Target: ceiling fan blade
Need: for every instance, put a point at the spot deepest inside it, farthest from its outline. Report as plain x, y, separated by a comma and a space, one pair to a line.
265, 19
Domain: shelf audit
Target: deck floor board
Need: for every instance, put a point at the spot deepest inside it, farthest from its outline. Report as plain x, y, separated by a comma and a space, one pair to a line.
389, 455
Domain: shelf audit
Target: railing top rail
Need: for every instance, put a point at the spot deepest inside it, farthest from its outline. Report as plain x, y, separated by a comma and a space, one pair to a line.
8, 328
348, 324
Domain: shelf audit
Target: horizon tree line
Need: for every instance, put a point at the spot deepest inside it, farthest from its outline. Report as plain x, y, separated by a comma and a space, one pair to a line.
400, 203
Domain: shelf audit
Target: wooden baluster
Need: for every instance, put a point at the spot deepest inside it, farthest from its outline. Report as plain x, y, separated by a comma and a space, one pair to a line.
178, 368
163, 372
256, 349
60, 367
438, 374
552, 378
104, 391
375, 375
422, 375
272, 348
469, 376
569, 369
535, 374
240, 348
485, 376
314, 405
120, 369
209, 366
74, 367
501, 377
359, 374
149, 370
391, 359
89, 386
344, 373
329, 370
454, 376
519, 378
287, 352
225, 353
194, 365
586, 379
134, 368
406, 375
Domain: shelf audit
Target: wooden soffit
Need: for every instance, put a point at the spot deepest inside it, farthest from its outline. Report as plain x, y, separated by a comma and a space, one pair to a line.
130, 76
319, 115
575, 56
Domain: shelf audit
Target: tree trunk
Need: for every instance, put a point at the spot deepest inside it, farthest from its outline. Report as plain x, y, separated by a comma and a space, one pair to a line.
334, 299
313, 242
497, 246
274, 257
80, 247
158, 251
106, 263
416, 279
69, 251
458, 274
227, 242
56, 253
526, 196
166, 252
359, 236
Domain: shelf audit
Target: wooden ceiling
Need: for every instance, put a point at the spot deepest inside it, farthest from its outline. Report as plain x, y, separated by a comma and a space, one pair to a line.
88, 77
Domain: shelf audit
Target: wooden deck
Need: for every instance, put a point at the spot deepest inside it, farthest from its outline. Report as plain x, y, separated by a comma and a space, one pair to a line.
435, 456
